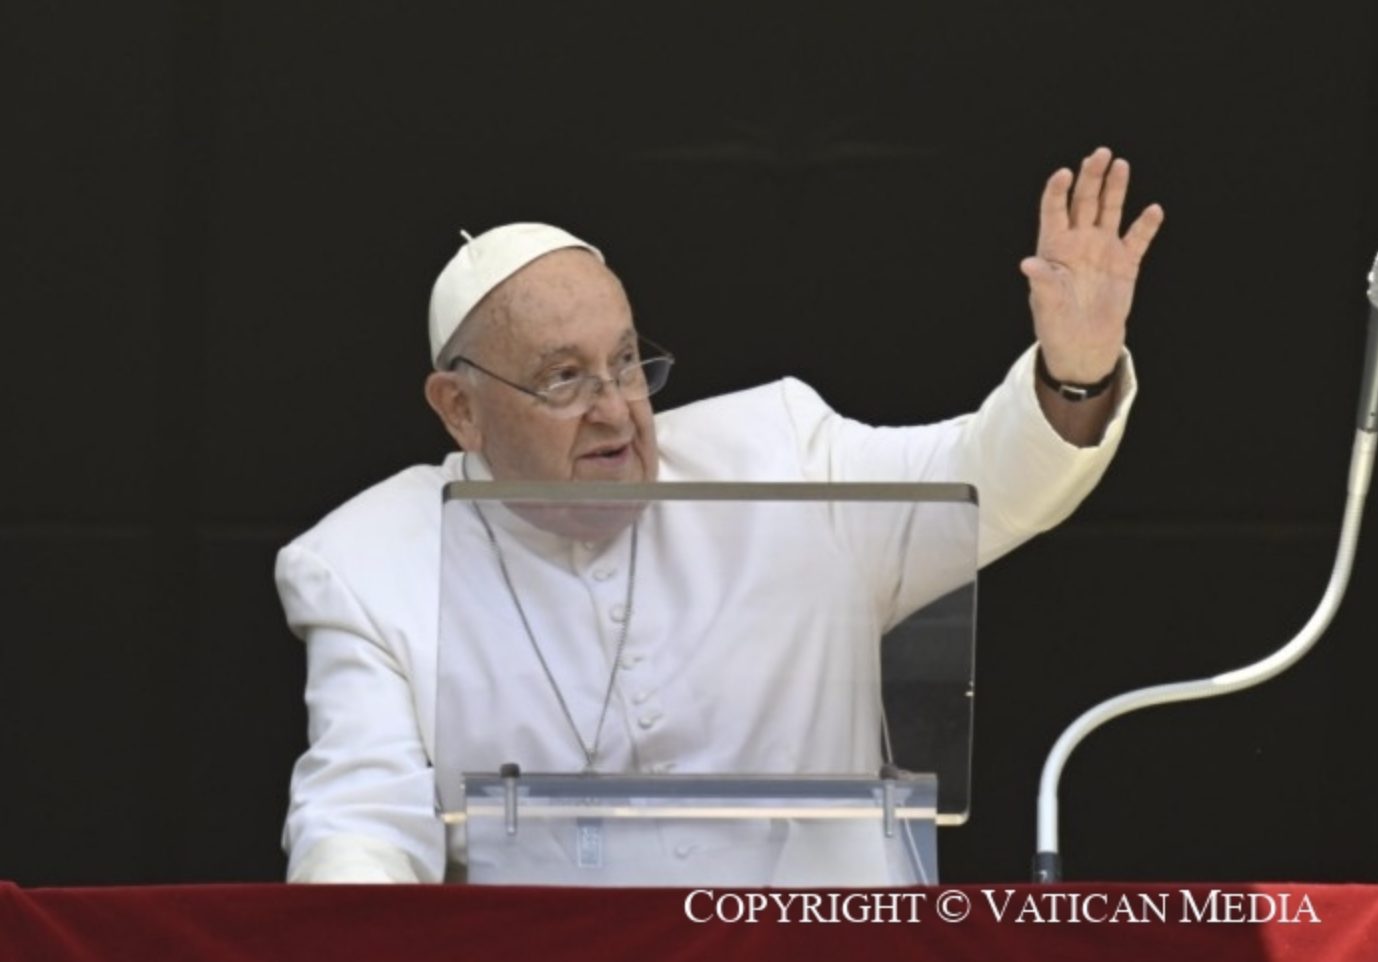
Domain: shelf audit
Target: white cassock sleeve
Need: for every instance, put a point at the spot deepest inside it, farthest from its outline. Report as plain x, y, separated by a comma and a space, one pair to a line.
1028, 477
363, 797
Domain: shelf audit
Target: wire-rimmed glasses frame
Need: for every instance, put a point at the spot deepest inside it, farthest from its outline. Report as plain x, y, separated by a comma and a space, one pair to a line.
573, 398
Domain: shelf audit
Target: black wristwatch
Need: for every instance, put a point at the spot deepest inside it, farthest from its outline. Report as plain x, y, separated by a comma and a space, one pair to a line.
1070, 391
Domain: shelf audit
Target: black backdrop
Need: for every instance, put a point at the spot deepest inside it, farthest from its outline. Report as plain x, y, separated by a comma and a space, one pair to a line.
222, 221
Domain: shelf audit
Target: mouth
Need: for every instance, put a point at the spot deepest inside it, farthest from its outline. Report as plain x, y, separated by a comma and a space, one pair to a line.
613, 460
608, 453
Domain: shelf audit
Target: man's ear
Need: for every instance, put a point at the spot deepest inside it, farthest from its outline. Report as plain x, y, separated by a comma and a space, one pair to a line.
451, 398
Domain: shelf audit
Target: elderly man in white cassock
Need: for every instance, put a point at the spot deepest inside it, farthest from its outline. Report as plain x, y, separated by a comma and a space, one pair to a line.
541, 375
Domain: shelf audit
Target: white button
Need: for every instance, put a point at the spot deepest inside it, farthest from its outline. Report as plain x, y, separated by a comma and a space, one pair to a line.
640, 697
590, 546
603, 574
618, 613
631, 660
648, 719
662, 768
685, 849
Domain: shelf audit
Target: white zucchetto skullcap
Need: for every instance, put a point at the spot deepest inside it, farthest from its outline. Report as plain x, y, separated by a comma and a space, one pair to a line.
484, 262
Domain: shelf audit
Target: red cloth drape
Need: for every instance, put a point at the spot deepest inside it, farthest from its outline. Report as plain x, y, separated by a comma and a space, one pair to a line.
228, 923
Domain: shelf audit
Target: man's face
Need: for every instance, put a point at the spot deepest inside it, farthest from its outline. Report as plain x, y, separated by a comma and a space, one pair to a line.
562, 313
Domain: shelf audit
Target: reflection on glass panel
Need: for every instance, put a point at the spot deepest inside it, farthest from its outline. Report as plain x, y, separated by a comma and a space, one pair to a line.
707, 629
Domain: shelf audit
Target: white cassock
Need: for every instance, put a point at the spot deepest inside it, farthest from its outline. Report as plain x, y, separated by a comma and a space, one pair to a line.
765, 669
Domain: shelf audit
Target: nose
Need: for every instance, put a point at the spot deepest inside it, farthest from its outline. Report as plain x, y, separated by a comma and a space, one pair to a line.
608, 405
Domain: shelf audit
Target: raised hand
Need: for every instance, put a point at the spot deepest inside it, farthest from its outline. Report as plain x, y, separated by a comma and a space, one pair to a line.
1081, 280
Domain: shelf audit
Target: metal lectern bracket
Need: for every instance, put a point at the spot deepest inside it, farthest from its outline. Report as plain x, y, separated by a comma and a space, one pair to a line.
888, 774
510, 772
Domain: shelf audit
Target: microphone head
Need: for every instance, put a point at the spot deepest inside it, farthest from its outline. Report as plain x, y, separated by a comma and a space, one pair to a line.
1368, 394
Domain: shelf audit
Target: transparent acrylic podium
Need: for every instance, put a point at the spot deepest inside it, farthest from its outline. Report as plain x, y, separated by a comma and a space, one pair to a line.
704, 684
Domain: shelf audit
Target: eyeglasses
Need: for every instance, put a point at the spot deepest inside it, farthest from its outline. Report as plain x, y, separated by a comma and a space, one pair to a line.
569, 393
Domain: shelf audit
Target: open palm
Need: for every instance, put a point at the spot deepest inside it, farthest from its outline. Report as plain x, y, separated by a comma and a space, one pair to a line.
1081, 280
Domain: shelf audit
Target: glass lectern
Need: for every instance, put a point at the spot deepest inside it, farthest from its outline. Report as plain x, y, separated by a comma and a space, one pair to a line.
704, 684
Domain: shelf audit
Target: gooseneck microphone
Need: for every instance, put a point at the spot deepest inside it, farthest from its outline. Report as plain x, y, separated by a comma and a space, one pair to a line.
1047, 865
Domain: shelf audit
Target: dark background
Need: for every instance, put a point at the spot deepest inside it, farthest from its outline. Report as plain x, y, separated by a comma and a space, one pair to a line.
221, 225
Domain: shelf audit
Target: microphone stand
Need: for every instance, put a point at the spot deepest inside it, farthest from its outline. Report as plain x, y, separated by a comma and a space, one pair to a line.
1047, 865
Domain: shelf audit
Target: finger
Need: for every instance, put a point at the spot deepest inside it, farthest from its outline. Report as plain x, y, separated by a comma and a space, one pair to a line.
1042, 278
1052, 211
1112, 198
1036, 269
1142, 231
1044, 281
1086, 194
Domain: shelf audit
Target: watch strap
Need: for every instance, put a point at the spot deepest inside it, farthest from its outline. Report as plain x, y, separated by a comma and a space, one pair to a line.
1072, 391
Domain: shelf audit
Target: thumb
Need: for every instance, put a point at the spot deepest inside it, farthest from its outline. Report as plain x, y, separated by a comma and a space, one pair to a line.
1036, 269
